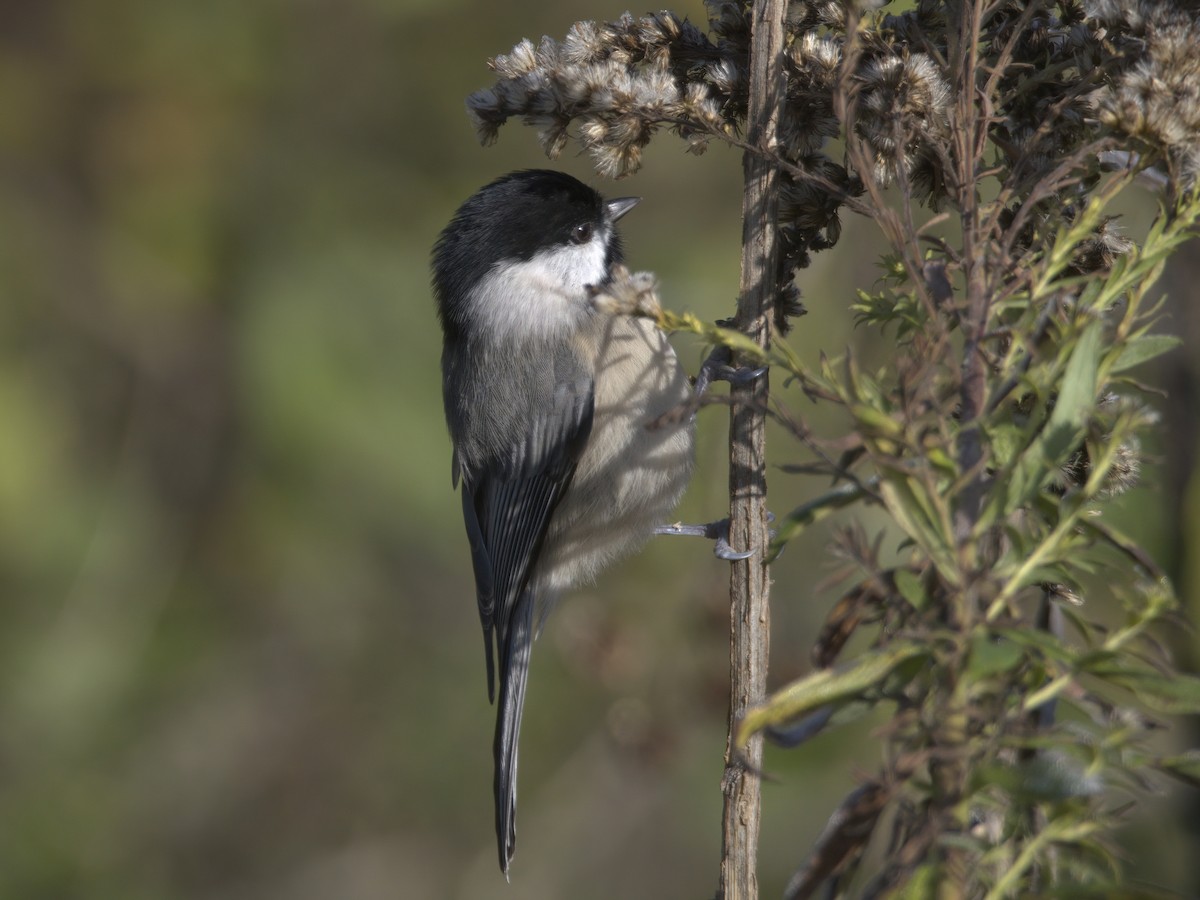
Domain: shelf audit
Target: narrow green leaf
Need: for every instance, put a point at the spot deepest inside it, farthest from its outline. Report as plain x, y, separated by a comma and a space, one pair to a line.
1117, 540
879, 422
1064, 429
1144, 348
910, 513
1185, 767
1056, 831
1045, 777
1175, 694
939, 458
1046, 643
825, 686
811, 512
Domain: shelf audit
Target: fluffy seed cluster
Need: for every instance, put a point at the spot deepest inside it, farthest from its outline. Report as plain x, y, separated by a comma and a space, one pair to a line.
1125, 464
628, 294
617, 82
902, 113
1048, 62
1156, 98
1098, 253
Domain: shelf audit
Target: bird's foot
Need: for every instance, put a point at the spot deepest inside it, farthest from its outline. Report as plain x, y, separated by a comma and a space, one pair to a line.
718, 532
718, 368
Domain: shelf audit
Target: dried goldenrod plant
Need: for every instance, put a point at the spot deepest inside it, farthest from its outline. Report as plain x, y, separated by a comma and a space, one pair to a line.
987, 139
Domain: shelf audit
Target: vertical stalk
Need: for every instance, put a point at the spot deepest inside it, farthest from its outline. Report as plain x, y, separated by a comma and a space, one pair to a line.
968, 153
749, 635
949, 766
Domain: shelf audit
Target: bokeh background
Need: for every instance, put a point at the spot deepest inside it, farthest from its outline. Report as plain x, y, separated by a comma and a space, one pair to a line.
239, 651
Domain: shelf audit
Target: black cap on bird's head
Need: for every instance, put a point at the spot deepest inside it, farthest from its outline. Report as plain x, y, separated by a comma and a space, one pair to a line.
514, 219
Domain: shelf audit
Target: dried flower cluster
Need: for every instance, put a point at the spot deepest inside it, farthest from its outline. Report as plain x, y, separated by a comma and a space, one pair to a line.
619, 82
1156, 97
1121, 472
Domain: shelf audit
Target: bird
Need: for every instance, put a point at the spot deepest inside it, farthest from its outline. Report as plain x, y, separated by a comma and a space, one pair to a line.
563, 447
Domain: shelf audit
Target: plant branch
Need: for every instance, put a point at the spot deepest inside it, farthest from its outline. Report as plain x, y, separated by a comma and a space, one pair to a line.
749, 638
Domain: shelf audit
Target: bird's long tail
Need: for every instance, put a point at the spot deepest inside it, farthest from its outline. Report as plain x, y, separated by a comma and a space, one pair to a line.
514, 672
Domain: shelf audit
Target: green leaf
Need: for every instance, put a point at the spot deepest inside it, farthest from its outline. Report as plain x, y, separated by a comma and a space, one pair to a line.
1175, 694
922, 885
1005, 441
939, 458
1144, 348
878, 423
826, 686
812, 512
1126, 545
1046, 643
1185, 767
893, 268
911, 589
1047, 777
992, 654
1064, 429
913, 514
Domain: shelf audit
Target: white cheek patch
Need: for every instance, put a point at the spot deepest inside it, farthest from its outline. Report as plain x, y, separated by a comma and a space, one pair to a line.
544, 295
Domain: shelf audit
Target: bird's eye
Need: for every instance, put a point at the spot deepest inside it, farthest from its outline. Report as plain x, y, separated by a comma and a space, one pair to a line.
581, 234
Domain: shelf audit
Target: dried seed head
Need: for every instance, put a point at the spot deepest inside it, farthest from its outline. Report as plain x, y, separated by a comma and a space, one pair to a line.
1098, 252
583, 44
1156, 99
902, 109
726, 76
620, 81
816, 59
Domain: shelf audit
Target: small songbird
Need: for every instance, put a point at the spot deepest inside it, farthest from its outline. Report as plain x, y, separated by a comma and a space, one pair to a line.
556, 413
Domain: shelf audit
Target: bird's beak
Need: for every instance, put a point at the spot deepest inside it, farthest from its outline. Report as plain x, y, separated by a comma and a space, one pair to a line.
620, 206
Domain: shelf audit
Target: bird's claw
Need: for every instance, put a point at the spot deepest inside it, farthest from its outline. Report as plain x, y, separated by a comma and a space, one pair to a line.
718, 532
723, 550
717, 368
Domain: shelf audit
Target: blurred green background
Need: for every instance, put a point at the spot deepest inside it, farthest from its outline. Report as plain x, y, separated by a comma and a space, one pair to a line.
239, 651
